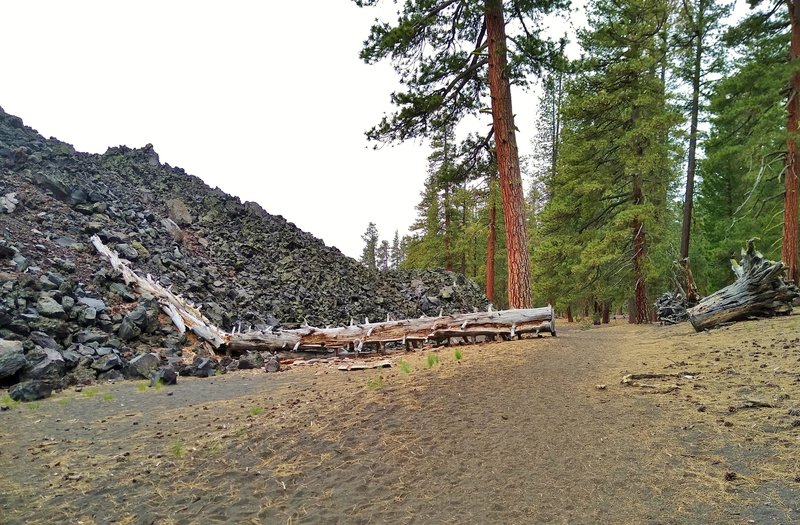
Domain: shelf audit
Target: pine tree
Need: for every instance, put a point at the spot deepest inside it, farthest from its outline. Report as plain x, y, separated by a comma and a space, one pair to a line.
382, 256
396, 255
369, 254
449, 55
740, 192
611, 193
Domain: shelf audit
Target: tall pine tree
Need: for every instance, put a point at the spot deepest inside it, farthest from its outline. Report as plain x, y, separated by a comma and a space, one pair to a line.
611, 192
451, 57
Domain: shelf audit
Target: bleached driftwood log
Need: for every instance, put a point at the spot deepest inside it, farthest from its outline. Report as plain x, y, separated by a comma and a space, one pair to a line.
759, 291
503, 323
183, 314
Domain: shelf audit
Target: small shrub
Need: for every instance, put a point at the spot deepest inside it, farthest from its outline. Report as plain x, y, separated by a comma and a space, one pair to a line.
404, 366
376, 382
458, 355
432, 359
256, 411
178, 449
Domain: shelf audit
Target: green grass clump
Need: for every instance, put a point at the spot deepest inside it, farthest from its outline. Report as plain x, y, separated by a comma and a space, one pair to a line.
432, 359
141, 386
256, 411
376, 382
91, 392
159, 384
108, 397
458, 355
33, 405
404, 366
7, 401
178, 449
64, 401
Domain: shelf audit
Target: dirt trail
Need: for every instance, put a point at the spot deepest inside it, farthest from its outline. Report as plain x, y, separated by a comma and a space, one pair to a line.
511, 433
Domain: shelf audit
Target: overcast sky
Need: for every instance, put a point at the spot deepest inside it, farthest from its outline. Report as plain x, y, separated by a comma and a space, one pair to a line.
267, 100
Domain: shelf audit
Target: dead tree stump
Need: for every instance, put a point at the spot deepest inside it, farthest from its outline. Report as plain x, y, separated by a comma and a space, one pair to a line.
758, 291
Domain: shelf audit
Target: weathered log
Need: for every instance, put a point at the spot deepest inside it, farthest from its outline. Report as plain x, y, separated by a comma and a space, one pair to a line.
497, 323
505, 324
183, 314
759, 291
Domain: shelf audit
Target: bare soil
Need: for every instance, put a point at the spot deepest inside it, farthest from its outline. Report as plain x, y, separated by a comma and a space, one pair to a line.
534, 431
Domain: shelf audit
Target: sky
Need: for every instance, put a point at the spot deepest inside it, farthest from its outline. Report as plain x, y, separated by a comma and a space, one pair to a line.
267, 100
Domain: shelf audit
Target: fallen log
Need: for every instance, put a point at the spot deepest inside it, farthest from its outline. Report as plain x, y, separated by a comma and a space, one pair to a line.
759, 291
182, 313
505, 324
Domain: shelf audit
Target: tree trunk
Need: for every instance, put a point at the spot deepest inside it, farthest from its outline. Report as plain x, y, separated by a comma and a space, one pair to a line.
570, 319
606, 314
691, 165
519, 271
639, 253
790, 225
448, 252
490, 244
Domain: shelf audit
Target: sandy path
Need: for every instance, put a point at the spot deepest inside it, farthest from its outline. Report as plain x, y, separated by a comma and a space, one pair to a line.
512, 433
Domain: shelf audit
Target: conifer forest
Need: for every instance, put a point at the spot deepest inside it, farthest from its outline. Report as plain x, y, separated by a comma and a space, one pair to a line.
665, 139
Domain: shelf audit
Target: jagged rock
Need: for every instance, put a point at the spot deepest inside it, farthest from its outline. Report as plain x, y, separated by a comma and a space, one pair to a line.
10, 364
46, 364
30, 390
166, 375
7, 346
91, 336
107, 362
173, 229
45, 341
97, 304
128, 330
145, 316
178, 212
203, 367
82, 374
126, 251
272, 364
8, 202
250, 360
110, 375
49, 307
143, 364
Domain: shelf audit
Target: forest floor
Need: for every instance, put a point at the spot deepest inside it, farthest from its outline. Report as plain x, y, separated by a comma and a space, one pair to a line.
534, 431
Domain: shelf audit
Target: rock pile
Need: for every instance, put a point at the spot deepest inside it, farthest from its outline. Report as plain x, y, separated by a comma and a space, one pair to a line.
65, 317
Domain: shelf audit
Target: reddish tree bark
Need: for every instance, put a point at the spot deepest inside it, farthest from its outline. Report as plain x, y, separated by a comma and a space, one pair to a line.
519, 271
570, 319
790, 225
639, 252
490, 245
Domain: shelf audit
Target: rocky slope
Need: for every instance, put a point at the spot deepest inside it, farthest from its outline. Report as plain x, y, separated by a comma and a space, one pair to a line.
63, 311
